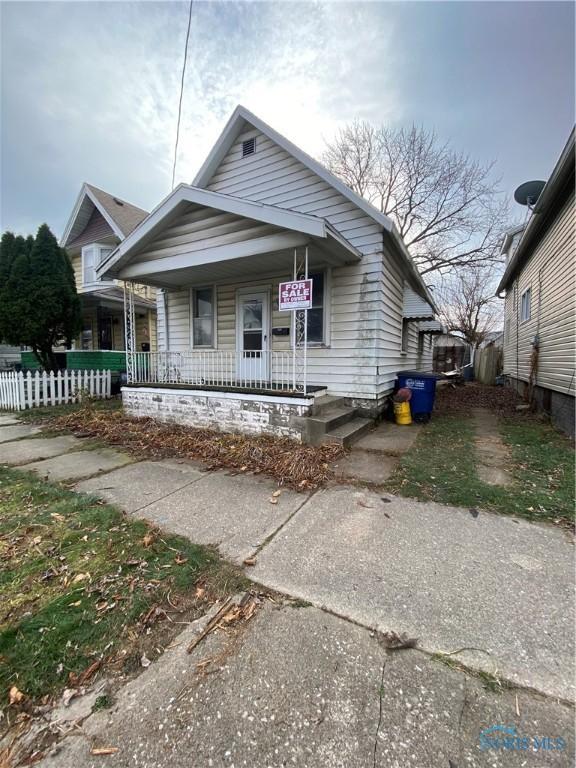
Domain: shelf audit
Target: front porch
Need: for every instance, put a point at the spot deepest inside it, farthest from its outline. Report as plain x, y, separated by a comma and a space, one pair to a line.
229, 357
242, 371
103, 320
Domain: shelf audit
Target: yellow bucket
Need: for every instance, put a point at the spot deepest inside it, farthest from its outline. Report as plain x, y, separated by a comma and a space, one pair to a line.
402, 413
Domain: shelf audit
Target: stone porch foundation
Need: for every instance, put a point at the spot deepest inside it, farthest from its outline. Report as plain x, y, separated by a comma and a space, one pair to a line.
250, 414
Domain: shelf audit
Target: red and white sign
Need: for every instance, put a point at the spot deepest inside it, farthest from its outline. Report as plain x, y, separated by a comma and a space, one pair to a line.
297, 294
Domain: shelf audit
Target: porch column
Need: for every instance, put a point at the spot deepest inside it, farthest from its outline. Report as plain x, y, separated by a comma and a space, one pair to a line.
300, 345
129, 331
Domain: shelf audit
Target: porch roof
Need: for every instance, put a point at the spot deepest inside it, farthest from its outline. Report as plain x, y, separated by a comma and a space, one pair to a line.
113, 298
264, 236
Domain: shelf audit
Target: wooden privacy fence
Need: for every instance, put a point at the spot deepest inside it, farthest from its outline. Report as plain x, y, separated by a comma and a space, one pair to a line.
488, 364
19, 391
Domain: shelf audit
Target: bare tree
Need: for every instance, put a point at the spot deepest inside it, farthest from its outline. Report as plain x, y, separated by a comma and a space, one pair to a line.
468, 305
446, 206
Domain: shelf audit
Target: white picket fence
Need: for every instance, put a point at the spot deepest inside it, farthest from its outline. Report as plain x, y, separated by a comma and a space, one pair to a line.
19, 391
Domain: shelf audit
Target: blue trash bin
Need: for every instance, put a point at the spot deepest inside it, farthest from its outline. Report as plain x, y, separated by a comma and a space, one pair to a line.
423, 387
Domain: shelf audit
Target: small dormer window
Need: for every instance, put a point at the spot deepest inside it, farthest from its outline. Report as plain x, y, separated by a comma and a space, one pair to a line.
92, 256
249, 147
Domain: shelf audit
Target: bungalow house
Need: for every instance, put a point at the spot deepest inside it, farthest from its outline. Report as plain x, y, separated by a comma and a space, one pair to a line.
99, 221
261, 212
540, 286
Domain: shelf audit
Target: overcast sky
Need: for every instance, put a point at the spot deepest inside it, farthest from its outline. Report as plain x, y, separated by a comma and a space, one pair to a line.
90, 90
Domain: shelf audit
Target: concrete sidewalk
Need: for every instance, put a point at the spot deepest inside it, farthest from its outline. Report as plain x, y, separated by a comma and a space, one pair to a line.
497, 590
299, 687
500, 588
497, 587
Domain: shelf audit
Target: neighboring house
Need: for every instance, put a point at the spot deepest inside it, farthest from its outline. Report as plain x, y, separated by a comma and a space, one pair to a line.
540, 285
218, 249
9, 357
450, 352
98, 223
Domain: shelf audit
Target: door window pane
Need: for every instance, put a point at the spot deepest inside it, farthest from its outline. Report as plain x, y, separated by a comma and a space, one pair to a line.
252, 341
203, 320
252, 315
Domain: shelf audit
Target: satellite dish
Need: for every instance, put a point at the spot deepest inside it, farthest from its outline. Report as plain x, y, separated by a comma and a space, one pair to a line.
529, 192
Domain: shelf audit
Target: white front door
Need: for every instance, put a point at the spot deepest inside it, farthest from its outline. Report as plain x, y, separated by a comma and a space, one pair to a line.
253, 359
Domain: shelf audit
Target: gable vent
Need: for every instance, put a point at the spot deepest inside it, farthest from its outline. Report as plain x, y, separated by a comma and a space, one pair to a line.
249, 147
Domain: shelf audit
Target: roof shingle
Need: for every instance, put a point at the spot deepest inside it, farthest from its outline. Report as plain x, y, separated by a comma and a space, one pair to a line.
126, 215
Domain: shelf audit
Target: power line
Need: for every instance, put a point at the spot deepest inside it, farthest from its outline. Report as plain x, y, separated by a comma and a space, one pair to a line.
181, 92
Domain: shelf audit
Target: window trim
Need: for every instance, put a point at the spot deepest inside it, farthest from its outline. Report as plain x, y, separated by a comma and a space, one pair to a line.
85, 249
97, 249
420, 347
214, 344
528, 317
326, 313
405, 323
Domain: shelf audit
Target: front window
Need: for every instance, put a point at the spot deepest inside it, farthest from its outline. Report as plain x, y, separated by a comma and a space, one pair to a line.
86, 336
316, 314
203, 317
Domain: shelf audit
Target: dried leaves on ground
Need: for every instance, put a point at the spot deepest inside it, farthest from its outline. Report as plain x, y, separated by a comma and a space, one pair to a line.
463, 397
300, 466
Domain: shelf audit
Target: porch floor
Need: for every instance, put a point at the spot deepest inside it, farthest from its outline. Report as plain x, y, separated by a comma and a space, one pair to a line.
271, 389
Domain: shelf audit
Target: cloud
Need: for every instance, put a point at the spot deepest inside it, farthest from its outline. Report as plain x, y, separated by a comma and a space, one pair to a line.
90, 89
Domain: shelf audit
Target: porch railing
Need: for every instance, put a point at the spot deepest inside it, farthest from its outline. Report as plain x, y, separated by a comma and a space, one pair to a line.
247, 370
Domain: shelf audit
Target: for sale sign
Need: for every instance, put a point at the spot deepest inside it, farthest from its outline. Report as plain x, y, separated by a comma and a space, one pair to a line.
297, 294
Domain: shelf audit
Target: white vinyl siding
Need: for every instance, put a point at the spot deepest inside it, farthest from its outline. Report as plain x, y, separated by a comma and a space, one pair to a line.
274, 177
348, 361
201, 230
550, 274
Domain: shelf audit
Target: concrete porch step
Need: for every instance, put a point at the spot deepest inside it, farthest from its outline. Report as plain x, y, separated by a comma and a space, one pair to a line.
347, 433
326, 421
327, 403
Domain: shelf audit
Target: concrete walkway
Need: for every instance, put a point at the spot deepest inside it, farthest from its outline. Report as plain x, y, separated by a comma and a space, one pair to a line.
375, 456
299, 687
494, 592
493, 454
236, 513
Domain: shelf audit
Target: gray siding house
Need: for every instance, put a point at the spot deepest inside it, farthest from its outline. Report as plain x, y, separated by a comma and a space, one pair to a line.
259, 212
98, 222
540, 285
